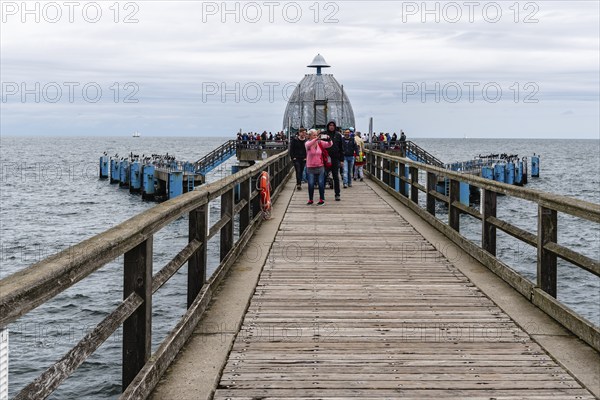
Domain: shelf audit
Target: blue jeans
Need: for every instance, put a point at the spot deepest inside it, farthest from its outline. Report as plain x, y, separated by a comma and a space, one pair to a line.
348, 166
311, 184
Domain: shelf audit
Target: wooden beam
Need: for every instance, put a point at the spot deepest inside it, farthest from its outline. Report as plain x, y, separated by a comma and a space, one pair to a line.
546, 260
198, 226
488, 231
137, 329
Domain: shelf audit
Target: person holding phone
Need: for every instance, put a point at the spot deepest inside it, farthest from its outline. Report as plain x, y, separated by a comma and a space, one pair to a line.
315, 168
337, 153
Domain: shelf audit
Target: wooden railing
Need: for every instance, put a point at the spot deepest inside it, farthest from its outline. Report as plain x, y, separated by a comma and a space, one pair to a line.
33, 286
386, 168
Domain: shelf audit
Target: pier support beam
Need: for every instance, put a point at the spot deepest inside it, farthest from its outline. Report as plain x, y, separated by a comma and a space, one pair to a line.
137, 329
227, 204
546, 260
453, 212
414, 191
431, 187
488, 231
403, 185
198, 229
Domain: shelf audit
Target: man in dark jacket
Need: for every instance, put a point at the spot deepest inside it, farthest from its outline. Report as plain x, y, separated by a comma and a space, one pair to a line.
298, 155
336, 152
350, 149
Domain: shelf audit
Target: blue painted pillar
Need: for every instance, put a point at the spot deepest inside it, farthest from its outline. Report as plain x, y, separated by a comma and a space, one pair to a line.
103, 170
510, 173
464, 193
175, 184
487, 173
535, 166
135, 177
124, 173
147, 181
114, 170
407, 185
519, 173
499, 173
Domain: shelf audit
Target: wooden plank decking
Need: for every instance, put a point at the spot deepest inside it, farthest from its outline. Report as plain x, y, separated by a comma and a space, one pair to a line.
354, 302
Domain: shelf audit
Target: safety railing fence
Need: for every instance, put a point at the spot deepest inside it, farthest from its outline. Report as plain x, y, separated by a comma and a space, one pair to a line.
133, 239
387, 170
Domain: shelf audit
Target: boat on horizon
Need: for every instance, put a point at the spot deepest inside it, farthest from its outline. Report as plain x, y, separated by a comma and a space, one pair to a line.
136, 134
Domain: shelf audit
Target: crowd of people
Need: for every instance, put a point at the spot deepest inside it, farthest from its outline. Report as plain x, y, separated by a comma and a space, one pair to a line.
386, 141
327, 155
254, 139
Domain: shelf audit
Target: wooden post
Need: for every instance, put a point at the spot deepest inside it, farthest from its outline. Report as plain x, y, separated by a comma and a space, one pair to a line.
488, 231
137, 329
227, 204
546, 261
256, 200
453, 212
402, 173
385, 168
414, 191
393, 168
431, 186
245, 212
377, 167
198, 228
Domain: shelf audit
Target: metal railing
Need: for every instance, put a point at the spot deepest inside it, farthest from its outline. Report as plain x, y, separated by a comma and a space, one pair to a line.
215, 157
388, 169
35, 285
406, 148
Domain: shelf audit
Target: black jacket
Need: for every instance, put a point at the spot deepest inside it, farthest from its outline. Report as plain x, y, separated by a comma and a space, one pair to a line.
349, 146
297, 148
336, 151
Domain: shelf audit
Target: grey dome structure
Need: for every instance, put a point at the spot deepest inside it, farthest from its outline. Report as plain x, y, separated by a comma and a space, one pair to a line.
318, 99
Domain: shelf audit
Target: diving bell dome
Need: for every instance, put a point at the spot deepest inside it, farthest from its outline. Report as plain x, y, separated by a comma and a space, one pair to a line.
318, 99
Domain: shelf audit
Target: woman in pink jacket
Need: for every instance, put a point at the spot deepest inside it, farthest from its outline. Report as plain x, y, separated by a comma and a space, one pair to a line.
314, 164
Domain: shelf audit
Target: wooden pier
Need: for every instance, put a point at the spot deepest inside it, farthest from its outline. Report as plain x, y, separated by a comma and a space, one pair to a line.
353, 299
389, 318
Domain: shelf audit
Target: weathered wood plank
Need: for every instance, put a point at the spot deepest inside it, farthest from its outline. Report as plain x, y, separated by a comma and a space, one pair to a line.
330, 318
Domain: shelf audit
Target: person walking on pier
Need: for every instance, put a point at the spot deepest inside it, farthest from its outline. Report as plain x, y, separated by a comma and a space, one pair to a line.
315, 167
336, 152
349, 150
359, 161
298, 155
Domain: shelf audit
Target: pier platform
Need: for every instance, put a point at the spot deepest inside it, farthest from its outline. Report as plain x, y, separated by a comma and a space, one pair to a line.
364, 299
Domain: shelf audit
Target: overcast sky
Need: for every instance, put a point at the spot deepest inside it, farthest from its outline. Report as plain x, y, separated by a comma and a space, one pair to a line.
191, 68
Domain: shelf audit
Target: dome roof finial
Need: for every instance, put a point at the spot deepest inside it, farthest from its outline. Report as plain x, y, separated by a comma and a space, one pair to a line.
318, 62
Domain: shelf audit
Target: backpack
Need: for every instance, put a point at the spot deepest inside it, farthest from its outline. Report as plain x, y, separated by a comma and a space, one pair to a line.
325, 156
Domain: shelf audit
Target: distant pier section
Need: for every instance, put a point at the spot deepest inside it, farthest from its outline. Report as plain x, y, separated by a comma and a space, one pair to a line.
161, 177
501, 167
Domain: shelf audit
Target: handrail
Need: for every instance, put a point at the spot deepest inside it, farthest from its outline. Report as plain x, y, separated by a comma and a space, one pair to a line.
404, 147
385, 168
226, 149
25, 290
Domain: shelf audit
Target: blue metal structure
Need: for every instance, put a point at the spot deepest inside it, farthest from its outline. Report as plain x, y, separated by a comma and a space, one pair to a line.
499, 172
135, 177
215, 158
148, 181
175, 184
510, 173
535, 166
124, 173
114, 170
103, 170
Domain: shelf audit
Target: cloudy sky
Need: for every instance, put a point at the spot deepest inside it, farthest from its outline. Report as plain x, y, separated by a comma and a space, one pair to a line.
192, 68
